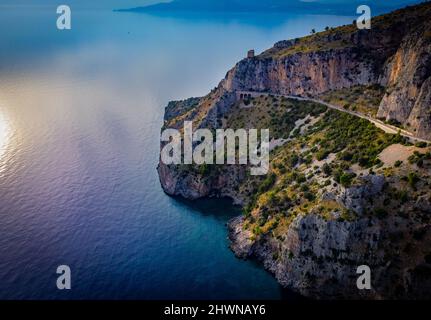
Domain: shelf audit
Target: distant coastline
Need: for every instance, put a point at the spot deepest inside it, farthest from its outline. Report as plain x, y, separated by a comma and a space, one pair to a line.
189, 6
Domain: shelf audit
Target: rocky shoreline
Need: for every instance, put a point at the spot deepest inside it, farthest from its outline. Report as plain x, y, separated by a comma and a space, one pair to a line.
319, 259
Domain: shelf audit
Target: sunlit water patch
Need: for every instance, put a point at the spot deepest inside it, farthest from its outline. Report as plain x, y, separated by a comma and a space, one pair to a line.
5, 134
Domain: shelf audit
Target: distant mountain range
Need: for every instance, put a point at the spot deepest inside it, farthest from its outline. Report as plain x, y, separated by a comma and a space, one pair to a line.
309, 6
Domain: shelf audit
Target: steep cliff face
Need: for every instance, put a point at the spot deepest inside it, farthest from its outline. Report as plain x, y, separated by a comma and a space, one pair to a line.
408, 98
210, 181
194, 184
301, 74
395, 53
319, 258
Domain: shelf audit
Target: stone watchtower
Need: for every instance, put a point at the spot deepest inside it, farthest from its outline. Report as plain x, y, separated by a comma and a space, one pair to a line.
250, 54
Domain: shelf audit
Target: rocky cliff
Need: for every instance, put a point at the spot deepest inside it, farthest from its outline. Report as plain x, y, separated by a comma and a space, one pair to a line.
319, 259
395, 53
408, 76
335, 197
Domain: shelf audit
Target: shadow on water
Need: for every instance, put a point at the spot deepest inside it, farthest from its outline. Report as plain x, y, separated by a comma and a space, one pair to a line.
223, 210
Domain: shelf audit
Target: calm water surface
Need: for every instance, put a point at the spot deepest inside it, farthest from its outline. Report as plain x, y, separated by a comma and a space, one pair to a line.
80, 116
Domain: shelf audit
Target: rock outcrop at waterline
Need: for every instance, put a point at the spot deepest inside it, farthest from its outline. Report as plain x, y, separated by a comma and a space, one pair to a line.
319, 259
330, 202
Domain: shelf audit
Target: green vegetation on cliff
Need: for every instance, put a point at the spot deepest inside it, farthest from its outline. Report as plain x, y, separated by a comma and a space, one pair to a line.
323, 152
362, 99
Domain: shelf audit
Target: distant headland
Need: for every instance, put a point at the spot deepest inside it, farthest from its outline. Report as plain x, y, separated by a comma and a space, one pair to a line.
275, 6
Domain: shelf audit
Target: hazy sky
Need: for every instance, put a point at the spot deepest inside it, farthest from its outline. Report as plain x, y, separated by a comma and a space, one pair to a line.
113, 4
85, 3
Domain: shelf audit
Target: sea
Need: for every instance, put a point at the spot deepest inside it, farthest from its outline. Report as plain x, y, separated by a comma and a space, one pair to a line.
80, 118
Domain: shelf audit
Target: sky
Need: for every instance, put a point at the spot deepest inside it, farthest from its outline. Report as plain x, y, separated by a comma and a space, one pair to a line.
111, 4
115, 4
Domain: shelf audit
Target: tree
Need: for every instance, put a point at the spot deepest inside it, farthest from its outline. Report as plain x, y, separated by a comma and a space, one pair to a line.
398, 163
413, 178
346, 179
313, 31
327, 169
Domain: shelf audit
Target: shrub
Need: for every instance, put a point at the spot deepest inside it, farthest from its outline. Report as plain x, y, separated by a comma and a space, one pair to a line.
346, 156
418, 158
304, 188
413, 179
257, 230
309, 196
308, 159
301, 178
327, 169
346, 179
394, 122
322, 154
421, 144
337, 175
293, 160
267, 183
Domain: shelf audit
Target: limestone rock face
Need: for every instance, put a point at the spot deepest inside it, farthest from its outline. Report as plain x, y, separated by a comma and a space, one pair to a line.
319, 258
189, 186
408, 98
356, 198
180, 180
176, 181
301, 74
395, 54
240, 238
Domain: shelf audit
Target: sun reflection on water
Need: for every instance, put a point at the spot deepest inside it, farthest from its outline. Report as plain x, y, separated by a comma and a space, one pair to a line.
4, 136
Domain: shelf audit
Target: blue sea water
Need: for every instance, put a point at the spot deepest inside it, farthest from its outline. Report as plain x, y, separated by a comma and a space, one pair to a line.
80, 117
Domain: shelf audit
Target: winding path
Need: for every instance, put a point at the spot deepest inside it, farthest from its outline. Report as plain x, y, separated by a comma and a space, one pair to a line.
378, 123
